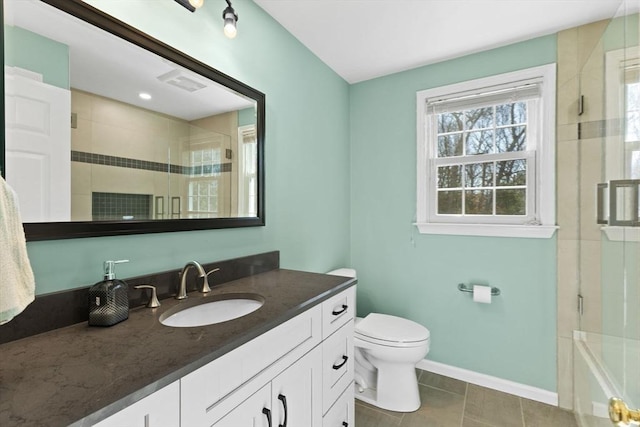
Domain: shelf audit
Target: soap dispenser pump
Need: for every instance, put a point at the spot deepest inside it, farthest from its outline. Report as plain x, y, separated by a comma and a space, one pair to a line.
109, 299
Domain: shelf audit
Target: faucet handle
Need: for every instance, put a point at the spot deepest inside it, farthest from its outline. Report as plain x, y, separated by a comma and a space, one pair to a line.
153, 301
205, 284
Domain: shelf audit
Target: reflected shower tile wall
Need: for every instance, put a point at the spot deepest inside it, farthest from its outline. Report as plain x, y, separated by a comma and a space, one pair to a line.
118, 206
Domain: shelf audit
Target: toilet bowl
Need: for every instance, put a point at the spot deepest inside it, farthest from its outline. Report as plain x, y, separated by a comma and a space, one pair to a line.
387, 349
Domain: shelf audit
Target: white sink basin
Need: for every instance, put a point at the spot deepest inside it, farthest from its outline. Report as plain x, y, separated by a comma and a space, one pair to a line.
217, 311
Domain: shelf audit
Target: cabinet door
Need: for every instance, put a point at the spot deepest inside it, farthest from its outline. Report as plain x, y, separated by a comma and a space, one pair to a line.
295, 393
253, 412
160, 409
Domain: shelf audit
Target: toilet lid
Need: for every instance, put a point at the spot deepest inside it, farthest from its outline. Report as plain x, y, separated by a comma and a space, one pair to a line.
391, 328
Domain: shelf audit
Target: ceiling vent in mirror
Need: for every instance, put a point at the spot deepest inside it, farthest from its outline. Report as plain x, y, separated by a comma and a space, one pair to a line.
179, 79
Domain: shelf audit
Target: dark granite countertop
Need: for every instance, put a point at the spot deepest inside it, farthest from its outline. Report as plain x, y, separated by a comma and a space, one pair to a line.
79, 374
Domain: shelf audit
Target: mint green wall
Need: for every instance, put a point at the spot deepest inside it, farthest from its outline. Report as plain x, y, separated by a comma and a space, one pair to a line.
332, 204
34, 52
404, 273
307, 153
246, 116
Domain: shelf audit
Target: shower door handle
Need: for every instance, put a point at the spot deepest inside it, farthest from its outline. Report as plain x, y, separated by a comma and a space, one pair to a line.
620, 414
601, 211
622, 204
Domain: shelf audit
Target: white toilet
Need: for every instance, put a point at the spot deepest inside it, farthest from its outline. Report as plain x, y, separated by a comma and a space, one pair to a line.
387, 349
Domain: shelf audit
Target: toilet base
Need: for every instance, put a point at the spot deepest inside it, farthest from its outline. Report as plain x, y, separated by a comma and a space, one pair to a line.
410, 402
367, 396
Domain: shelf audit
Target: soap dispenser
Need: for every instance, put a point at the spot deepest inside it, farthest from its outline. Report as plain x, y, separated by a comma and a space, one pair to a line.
109, 299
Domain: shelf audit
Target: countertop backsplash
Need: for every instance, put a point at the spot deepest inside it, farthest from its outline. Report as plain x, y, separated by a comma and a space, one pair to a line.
60, 309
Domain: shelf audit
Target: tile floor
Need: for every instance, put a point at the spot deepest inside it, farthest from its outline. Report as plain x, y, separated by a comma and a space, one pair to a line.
447, 402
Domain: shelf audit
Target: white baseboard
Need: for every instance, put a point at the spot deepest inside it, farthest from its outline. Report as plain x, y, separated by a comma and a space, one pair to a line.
495, 383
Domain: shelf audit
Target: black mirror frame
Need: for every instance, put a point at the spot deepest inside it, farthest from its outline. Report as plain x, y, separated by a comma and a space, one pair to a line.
78, 229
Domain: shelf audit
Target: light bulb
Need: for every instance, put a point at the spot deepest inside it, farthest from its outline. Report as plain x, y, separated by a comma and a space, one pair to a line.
145, 96
230, 29
196, 3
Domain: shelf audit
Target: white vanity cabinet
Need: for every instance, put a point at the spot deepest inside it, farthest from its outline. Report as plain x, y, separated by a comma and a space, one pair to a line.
290, 399
300, 371
338, 321
160, 409
212, 392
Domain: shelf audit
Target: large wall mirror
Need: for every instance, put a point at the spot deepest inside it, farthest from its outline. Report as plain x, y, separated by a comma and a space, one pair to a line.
109, 131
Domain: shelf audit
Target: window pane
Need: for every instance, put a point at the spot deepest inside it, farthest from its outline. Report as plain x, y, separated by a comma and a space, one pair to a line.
450, 122
479, 175
478, 202
513, 138
206, 156
479, 118
511, 114
511, 172
480, 142
632, 127
511, 202
634, 165
449, 176
450, 145
449, 202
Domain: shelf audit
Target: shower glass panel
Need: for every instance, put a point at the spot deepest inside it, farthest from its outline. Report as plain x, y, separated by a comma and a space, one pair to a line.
607, 346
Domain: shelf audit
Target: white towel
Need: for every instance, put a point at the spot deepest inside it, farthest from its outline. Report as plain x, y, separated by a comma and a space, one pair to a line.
17, 284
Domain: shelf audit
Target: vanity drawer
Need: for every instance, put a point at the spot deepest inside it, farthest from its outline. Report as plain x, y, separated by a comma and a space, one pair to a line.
338, 310
337, 365
342, 413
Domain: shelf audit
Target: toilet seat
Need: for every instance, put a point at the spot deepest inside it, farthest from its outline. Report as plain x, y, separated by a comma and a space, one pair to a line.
390, 331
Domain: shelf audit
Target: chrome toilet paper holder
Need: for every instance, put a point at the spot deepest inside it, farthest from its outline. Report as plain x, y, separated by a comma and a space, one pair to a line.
463, 288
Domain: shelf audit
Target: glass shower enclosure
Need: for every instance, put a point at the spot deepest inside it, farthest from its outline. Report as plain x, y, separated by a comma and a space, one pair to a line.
606, 345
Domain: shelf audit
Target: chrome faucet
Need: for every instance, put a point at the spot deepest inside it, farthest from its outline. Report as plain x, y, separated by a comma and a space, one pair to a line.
182, 292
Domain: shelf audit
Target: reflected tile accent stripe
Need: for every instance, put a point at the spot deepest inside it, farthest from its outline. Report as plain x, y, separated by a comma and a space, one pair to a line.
600, 129
124, 162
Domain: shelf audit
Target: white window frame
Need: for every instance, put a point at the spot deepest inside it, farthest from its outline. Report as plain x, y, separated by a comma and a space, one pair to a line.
540, 223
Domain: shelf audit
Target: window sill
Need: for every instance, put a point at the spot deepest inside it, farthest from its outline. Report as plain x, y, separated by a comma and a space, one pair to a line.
622, 234
489, 230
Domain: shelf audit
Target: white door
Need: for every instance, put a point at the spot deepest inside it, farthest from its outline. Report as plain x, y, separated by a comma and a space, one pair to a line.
296, 393
253, 412
38, 144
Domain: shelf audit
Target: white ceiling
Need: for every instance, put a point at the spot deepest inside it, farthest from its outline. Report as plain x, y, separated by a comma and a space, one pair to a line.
106, 65
364, 39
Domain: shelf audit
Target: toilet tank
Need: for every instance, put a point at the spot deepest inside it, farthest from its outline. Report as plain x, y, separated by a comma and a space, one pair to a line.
345, 272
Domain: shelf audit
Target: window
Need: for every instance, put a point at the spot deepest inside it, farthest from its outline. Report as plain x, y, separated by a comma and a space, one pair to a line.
486, 156
248, 169
622, 140
203, 183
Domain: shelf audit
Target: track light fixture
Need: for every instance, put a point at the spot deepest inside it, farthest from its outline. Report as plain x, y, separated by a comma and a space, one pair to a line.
229, 15
230, 19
